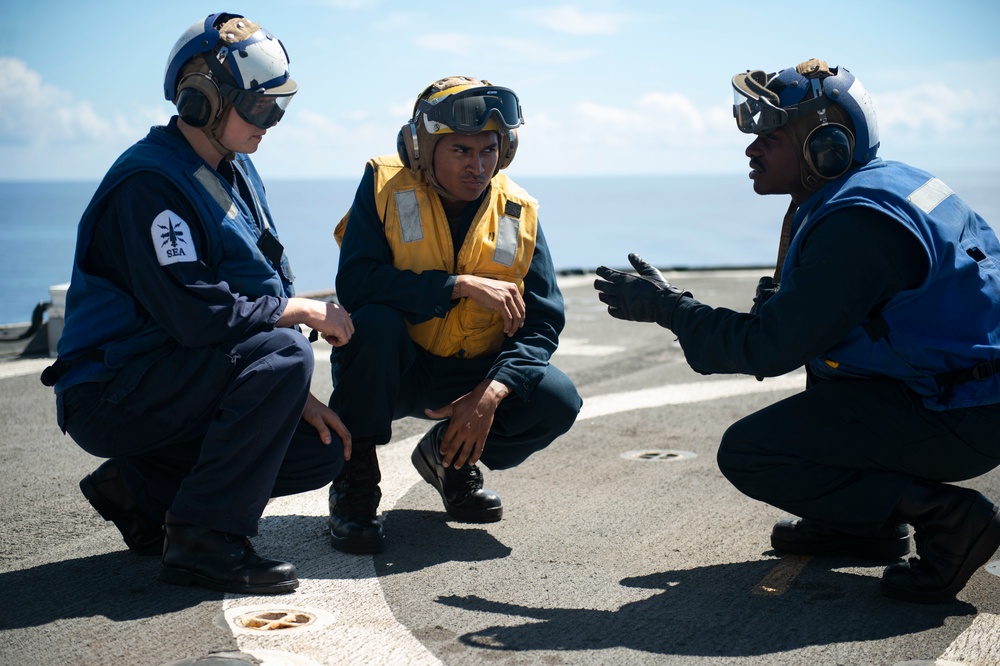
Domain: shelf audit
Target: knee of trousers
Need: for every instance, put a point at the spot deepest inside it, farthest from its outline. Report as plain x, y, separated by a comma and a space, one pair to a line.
291, 354
564, 403
738, 456
555, 402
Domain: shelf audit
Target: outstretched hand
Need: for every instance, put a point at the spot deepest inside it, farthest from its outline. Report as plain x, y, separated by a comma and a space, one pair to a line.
646, 297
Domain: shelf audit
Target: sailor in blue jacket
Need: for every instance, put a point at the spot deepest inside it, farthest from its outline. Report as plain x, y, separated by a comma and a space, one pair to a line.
887, 290
180, 360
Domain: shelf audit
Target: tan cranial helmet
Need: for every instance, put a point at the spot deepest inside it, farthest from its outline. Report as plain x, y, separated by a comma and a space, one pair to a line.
463, 105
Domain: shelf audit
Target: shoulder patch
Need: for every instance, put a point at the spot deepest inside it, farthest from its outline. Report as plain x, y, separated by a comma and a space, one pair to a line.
172, 239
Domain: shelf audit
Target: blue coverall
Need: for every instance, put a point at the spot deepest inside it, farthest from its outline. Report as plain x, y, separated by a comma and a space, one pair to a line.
212, 429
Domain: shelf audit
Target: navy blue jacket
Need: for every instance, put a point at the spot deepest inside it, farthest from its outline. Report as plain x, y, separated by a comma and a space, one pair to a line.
167, 255
847, 265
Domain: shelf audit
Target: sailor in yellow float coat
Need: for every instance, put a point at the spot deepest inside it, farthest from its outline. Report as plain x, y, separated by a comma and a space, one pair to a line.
499, 245
453, 295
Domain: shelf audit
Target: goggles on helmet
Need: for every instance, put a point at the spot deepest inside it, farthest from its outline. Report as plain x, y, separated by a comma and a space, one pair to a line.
259, 109
756, 115
471, 110
755, 107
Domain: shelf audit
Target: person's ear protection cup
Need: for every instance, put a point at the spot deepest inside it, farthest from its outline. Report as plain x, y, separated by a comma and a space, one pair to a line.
507, 152
408, 146
198, 99
828, 150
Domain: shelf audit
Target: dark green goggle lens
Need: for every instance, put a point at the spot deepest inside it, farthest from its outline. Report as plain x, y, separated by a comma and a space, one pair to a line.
471, 110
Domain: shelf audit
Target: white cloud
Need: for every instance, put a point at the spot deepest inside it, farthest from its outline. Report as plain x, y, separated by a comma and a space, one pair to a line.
938, 124
34, 112
661, 117
937, 108
671, 112
314, 145
653, 132
569, 19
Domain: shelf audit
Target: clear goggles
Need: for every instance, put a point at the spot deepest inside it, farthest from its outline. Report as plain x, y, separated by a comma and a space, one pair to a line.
755, 113
471, 110
259, 109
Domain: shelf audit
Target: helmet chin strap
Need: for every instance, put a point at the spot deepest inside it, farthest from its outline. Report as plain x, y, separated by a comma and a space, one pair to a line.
215, 131
436, 186
799, 130
428, 172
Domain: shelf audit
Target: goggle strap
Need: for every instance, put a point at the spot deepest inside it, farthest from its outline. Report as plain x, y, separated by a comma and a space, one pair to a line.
219, 71
753, 85
758, 84
814, 105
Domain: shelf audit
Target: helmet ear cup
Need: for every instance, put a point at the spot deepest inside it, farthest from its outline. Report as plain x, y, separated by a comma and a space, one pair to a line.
828, 150
401, 149
198, 99
508, 147
408, 146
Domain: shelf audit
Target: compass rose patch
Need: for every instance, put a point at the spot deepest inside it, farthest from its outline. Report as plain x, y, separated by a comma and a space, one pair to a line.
172, 239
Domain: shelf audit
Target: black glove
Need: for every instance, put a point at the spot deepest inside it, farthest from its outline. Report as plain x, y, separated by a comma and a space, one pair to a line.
644, 297
766, 288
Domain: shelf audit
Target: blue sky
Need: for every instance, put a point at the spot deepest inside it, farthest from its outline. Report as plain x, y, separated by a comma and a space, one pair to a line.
626, 87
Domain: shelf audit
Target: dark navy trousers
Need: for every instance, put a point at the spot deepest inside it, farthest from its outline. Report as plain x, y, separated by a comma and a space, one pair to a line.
382, 375
842, 451
209, 434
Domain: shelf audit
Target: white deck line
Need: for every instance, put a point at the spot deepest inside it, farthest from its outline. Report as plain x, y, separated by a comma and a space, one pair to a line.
979, 644
359, 625
21, 367
354, 623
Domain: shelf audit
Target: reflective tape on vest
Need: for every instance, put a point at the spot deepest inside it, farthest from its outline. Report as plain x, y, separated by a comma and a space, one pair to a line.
929, 195
409, 216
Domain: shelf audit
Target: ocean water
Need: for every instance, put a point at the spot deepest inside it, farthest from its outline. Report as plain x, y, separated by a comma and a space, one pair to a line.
697, 221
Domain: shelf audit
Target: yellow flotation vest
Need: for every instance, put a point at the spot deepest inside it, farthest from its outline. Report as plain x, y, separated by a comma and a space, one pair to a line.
499, 245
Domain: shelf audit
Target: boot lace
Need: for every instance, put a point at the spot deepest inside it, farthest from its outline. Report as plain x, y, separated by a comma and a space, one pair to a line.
464, 481
358, 493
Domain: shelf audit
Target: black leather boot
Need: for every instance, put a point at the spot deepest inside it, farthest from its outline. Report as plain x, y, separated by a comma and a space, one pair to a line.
354, 499
194, 555
107, 492
461, 489
956, 530
801, 536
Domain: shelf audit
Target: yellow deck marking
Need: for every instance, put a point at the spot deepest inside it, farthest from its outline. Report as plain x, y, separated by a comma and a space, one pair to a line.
781, 577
